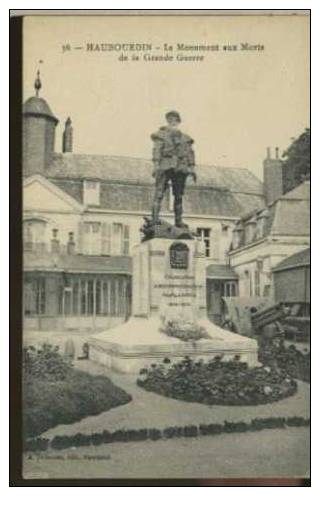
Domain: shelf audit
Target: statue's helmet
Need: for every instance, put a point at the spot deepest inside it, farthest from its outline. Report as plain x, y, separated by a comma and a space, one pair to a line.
173, 114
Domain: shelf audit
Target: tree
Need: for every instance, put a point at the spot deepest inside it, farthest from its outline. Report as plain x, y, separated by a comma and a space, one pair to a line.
297, 163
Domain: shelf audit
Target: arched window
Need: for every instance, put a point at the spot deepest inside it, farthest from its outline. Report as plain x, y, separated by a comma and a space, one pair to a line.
34, 234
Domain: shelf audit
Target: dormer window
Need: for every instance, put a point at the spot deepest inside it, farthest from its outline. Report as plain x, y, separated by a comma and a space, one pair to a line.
262, 223
250, 229
91, 193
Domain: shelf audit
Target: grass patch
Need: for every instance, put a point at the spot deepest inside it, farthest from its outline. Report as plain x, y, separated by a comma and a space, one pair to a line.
54, 393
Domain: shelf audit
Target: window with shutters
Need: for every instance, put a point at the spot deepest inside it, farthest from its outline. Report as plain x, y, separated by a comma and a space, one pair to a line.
34, 235
34, 297
257, 283
120, 239
126, 240
106, 239
91, 239
205, 235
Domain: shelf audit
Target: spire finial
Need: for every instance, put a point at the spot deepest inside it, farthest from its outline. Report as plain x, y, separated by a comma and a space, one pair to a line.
37, 83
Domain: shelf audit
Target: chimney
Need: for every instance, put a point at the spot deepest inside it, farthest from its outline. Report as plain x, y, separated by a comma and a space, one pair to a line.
55, 243
71, 246
272, 176
67, 137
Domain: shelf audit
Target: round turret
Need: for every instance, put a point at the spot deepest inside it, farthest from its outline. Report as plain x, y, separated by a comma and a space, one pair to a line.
39, 124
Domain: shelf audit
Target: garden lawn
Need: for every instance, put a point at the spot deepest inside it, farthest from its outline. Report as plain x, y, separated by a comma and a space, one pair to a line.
48, 402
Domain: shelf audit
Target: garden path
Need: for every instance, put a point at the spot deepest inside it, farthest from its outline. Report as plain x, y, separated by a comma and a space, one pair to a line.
148, 409
269, 453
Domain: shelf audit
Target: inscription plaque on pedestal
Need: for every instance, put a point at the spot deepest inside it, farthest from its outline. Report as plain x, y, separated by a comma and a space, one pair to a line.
179, 255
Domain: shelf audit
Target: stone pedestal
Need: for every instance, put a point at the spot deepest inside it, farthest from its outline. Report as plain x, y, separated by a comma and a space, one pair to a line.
169, 283
169, 278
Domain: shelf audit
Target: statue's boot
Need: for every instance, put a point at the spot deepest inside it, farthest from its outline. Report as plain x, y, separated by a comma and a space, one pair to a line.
156, 211
178, 211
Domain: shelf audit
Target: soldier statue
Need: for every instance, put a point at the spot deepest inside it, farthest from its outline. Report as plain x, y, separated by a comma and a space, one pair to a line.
174, 161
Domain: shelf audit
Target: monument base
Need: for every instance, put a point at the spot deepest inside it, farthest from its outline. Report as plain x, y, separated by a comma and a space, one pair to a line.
169, 285
139, 343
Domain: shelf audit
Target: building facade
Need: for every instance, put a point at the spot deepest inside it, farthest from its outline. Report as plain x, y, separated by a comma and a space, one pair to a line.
82, 220
267, 236
292, 282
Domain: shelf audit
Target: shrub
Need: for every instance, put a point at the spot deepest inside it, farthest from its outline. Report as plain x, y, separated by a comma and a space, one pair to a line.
106, 436
190, 431
37, 444
62, 442
45, 362
235, 427
118, 436
172, 432
297, 421
154, 434
289, 360
80, 439
136, 435
268, 423
97, 438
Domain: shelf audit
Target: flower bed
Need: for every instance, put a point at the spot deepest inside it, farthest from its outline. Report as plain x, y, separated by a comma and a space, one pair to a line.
217, 382
54, 393
290, 361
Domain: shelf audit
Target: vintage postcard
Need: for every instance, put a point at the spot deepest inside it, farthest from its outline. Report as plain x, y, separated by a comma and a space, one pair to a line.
166, 245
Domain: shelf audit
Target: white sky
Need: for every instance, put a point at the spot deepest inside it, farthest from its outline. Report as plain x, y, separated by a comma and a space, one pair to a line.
233, 104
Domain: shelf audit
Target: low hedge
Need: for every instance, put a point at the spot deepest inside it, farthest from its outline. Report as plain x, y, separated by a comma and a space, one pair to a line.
153, 434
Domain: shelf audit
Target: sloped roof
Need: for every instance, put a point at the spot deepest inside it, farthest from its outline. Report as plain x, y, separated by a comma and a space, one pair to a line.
77, 263
38, 106
139, 170
302, 258
291, 217
218, 271
198, 200
301, 192
127, 184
